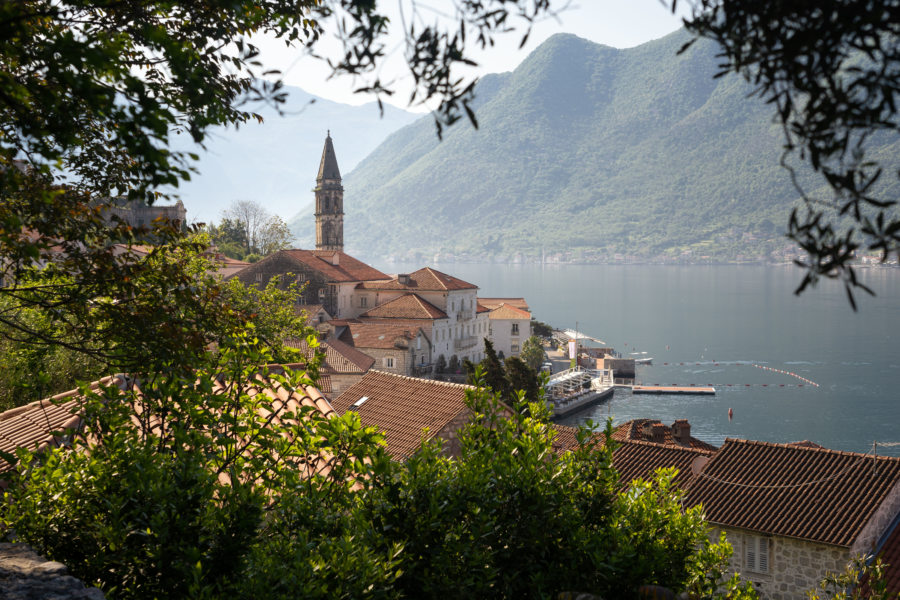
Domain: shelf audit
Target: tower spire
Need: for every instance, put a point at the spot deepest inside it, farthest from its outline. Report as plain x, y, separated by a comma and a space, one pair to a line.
329, 201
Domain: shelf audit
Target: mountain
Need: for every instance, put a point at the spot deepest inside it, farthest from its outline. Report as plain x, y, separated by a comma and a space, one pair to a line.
583, 152
275, 162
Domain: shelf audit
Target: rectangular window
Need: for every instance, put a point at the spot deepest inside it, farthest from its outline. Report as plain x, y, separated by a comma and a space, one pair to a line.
363, 302
515, 329
388, 362
756, 553
514, 348
259, 277
321, 293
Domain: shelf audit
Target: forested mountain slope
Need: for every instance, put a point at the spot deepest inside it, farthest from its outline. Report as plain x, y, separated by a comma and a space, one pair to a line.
583, 152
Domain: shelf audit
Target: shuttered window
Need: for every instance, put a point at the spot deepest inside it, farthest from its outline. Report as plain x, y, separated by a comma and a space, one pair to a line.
756, 553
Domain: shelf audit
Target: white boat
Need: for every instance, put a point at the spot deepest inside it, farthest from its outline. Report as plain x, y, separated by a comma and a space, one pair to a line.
644, 361
574, 389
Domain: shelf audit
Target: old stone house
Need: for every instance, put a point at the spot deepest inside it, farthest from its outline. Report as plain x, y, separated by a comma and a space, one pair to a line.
342, 365
396, 347
329, 277
794, 512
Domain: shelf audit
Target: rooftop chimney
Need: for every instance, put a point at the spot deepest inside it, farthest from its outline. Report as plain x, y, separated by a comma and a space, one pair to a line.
336, 258
681, 431
658, 434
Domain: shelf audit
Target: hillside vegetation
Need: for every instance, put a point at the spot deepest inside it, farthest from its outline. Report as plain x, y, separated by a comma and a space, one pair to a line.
584, 152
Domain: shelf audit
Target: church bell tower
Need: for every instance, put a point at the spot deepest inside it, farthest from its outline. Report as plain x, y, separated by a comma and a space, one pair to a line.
329, 202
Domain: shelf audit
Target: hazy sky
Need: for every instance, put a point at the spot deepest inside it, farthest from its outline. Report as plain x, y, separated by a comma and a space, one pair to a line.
617, 23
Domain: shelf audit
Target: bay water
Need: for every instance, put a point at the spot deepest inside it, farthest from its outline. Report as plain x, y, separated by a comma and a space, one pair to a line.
740, 329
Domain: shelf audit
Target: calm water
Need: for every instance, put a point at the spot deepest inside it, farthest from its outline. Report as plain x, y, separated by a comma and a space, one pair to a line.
720, 321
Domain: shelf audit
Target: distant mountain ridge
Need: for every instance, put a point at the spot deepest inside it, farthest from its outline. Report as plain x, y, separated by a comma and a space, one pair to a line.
275, 163
584, 152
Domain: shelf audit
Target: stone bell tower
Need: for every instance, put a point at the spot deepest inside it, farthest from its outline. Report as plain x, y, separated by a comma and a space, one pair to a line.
329, 202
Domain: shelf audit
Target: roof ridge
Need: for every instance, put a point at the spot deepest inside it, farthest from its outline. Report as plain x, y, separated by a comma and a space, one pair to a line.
820, 449
434, 381
703, 451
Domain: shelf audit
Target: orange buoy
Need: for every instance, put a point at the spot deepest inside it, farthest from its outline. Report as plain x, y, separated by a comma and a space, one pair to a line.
730, 414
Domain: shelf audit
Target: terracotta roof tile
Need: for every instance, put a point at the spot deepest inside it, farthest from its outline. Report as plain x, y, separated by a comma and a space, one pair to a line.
339, 357
403, 406
814, 494
347, 269
407, 306
507, 311
426, 279
377, 334
637, 459
634, 430
34, 424
492, 303
634, 459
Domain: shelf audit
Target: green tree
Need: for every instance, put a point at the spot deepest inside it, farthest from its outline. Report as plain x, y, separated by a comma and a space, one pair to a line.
533, 352
492, 372
541, 329
521, 377
829, 70
862, 579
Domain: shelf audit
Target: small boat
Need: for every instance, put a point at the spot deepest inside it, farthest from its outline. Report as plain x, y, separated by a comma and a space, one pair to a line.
644, 361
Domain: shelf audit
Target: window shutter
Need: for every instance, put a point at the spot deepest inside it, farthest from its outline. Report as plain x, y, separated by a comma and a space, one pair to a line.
763, 555
757, 553
750, 545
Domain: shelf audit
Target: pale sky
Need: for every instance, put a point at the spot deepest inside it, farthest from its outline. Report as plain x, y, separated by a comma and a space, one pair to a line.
617, 23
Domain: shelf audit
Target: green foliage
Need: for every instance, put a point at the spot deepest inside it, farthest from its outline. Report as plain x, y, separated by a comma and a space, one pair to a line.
541, 329
862, 579
507, 377
533, 352
184, 499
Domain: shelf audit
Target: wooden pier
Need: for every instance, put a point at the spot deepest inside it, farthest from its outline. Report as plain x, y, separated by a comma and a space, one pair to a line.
671, 389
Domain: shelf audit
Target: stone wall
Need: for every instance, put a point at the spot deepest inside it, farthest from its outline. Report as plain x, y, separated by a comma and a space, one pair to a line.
316, 290
26, 576
795, 566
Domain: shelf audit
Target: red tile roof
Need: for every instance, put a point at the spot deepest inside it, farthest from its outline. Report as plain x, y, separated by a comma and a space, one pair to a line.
507, 311
634, 459
34, 425
407, 306
634, 431
377, 334
347, 269
638, 459
339, 357
426, 279
403, 406
814, 494
492, 303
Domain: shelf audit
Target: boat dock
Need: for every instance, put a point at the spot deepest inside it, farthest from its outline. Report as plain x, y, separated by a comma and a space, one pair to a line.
673, 389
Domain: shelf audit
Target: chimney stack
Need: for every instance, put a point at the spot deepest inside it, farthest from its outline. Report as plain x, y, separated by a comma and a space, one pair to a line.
658, 433
681, 431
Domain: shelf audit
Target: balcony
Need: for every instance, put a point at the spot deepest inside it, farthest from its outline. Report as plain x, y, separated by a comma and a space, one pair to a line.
464, 343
